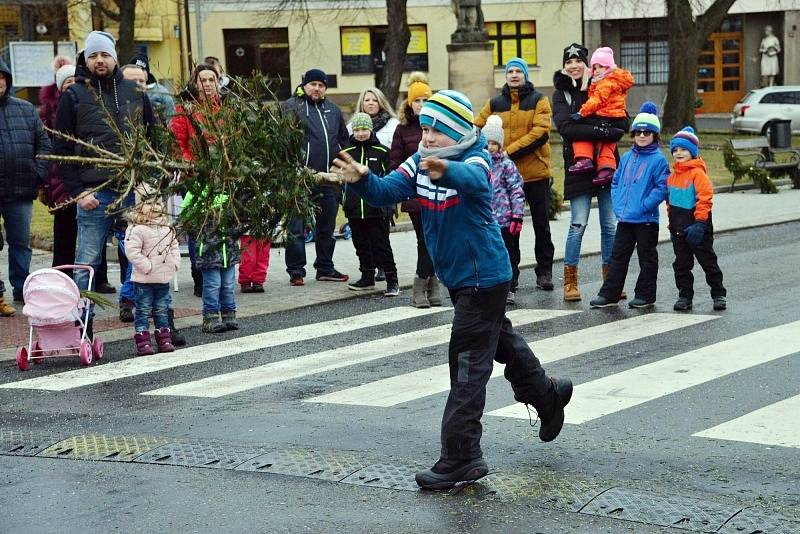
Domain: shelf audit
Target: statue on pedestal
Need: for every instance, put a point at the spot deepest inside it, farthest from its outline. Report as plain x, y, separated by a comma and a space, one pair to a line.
770, 48
470, 22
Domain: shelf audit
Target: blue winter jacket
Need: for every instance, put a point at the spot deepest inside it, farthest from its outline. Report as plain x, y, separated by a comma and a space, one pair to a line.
640, 184
462, 237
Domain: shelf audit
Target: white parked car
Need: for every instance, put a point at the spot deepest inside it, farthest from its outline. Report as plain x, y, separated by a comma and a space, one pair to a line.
758, 108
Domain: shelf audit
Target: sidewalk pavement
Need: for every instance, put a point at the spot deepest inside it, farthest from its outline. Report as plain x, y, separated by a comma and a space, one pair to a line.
732, 211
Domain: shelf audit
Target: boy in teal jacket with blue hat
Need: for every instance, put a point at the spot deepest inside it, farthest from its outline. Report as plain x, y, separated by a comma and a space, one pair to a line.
449, 175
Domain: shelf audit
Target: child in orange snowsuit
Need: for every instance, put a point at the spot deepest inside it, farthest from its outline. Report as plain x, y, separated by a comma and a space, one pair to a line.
607, 92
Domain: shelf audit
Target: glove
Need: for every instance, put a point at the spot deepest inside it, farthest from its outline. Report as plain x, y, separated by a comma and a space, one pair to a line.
515, 228
576, 116
694, 233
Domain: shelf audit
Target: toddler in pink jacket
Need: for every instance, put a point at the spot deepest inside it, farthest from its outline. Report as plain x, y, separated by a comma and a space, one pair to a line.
152, 249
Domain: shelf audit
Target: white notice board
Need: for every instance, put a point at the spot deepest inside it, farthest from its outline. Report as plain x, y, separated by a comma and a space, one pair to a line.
32, 61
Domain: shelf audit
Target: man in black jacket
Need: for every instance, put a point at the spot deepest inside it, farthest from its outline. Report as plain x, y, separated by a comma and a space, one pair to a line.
325, 135
22, 138
83, 112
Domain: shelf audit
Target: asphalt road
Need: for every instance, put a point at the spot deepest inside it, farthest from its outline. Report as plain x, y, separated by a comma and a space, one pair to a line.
647, 385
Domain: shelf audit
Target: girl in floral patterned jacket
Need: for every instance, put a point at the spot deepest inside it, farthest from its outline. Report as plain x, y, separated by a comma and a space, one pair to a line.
508, 198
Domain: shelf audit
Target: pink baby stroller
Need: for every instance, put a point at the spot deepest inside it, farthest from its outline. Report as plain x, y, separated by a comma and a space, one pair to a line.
58, 316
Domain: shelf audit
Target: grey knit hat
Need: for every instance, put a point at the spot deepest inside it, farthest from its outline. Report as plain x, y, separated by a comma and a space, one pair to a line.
98, 41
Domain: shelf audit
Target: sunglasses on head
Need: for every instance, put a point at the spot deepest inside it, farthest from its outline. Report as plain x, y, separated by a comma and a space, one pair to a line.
643, 133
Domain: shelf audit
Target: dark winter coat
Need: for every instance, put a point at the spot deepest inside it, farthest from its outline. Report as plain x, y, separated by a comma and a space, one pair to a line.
324, 127
405, 144
22, 138
610, 130
375, 156
217, 252
81, 115
55, 191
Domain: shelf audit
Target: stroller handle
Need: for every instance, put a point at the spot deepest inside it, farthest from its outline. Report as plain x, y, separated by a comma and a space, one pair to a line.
73, 267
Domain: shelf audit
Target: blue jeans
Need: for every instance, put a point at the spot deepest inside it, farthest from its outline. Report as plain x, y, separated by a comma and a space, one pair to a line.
324, 242
17, 218
219, 286
151, 298
579, 208
93, 229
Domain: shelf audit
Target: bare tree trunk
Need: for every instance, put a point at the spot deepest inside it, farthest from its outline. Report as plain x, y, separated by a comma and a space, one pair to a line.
686, 38
397, 37
127, 16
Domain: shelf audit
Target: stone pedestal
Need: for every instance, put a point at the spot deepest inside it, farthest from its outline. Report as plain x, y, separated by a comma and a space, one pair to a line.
471, 71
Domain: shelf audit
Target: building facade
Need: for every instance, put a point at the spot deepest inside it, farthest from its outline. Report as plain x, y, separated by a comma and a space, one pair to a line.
347, 42
730, 63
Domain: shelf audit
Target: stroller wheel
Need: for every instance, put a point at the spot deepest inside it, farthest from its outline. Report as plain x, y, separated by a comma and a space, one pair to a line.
85, 353
22, 358
36, 354
97, 348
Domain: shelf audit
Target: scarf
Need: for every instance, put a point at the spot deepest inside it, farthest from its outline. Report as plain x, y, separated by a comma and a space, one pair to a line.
452, 151
380, 120
605, 73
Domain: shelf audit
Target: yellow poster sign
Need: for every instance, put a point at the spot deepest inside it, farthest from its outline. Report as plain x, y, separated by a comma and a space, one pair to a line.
356, 41
419, 40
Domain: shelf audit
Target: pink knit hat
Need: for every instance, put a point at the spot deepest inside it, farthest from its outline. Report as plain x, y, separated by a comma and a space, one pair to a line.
603, 56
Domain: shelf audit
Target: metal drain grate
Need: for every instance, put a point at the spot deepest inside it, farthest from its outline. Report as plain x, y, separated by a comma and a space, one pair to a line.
752, 520
102, 447
26, 443
653, 509
399, 477
550, 489
306, 463
214, 455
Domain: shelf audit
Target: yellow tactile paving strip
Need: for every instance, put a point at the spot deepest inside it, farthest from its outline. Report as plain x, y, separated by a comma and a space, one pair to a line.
103, 447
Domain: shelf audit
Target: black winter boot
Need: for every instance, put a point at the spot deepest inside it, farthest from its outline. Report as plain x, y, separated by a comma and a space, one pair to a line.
552, 415
447, 473
178, 339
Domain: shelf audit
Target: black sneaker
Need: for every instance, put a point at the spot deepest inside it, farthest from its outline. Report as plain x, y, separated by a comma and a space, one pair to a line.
683, 304
392, 289
551, 425
720, 303
447, 473
332, 276
380, 276
105, 288
544, 281
511, 298
198, 291
126, 313
363, 284
602, 302
639, 304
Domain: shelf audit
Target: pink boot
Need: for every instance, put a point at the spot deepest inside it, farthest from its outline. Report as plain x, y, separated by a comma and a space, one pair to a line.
604, 177
164, 340
581, 166
143, 345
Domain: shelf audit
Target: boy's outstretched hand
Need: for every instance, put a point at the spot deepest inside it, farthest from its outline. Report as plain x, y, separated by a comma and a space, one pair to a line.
349, 169
436, 167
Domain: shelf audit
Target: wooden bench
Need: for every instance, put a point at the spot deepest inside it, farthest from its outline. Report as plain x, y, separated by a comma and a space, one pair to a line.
765, 156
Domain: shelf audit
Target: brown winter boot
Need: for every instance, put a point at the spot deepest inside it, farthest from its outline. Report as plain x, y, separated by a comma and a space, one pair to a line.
434, 294
605, 275
571, 291
419, 295
6, 309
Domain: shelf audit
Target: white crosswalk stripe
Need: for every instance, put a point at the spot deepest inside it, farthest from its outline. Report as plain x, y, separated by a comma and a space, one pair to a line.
645, 383
284, 370
429, 381
212, 351
776, 424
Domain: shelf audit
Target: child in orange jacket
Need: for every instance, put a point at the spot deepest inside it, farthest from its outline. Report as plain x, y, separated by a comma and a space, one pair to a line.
689, 208
607, 92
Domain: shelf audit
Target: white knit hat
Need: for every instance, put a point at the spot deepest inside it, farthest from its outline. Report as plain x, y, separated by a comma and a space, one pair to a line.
493, 129
64, 72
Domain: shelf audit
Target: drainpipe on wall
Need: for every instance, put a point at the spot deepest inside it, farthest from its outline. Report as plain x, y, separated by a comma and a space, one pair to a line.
198, 22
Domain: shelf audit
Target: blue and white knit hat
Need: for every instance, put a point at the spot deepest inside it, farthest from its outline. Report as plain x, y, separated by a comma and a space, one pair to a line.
449, 112
519, 63
647, 119
687, 139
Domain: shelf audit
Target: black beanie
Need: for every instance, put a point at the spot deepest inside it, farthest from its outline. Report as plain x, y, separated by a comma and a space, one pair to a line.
315, 75
576, 50
141, 61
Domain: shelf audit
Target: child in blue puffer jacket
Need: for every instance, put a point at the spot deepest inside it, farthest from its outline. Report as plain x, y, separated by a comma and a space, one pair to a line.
638, 187
449, 175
